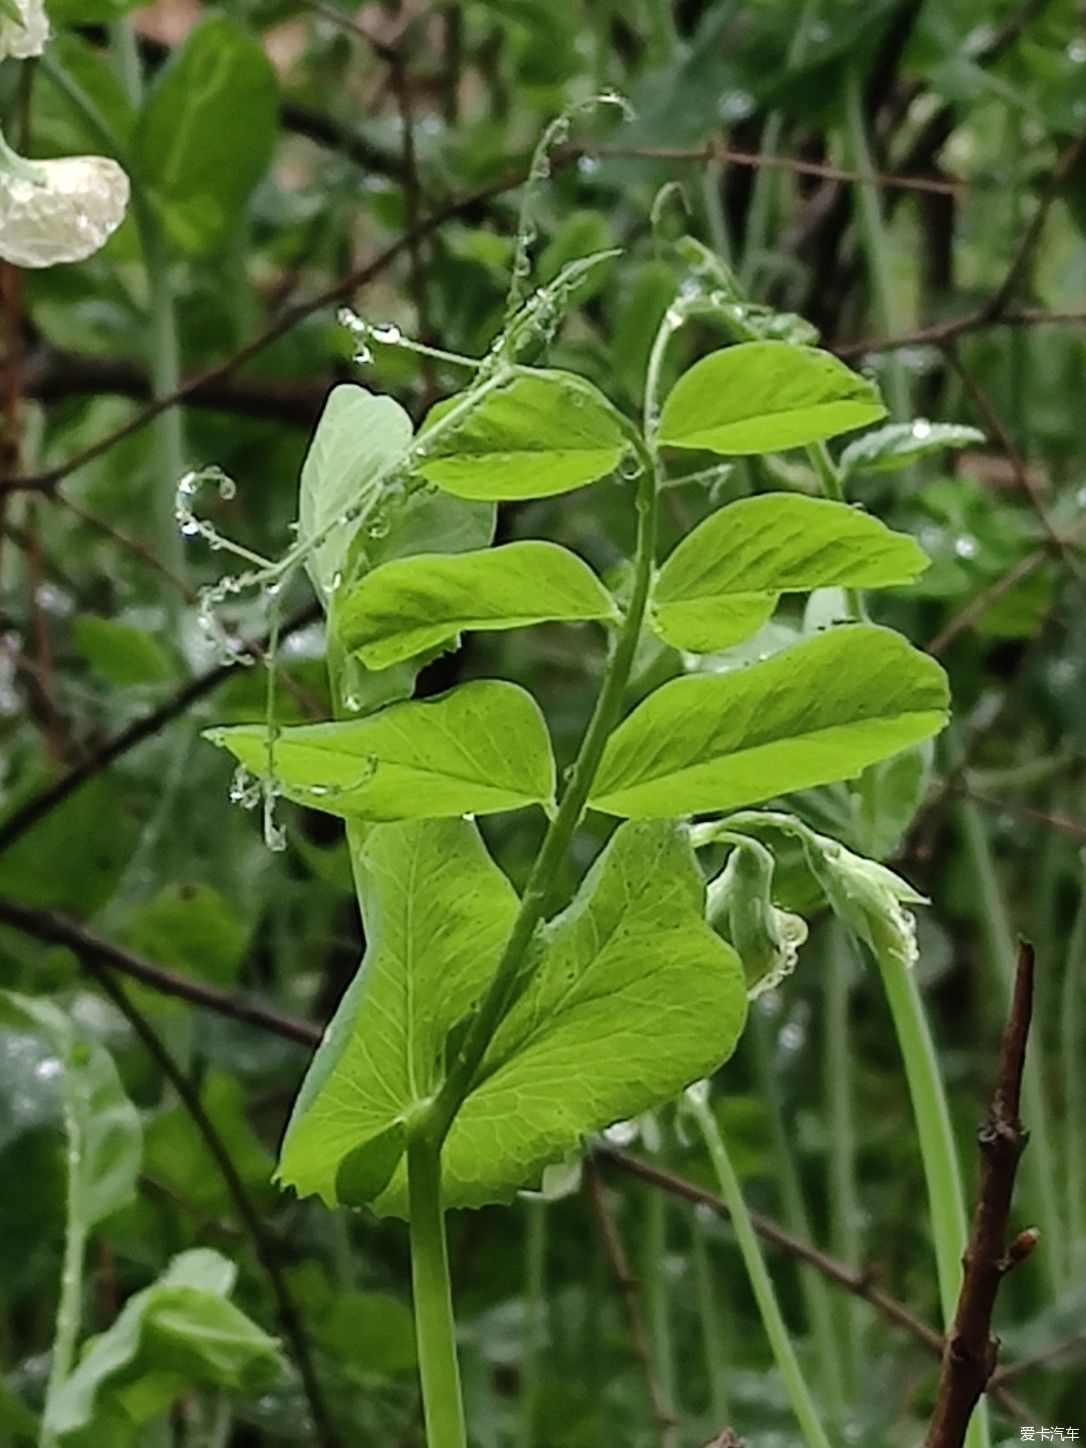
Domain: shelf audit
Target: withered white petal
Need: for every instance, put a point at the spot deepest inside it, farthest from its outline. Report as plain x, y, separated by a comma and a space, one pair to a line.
66, 214
26, 36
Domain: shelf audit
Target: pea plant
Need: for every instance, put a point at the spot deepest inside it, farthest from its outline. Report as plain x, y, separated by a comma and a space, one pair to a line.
489, 1033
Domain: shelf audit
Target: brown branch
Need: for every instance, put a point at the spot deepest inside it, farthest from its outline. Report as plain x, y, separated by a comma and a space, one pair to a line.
52, 375
266, 1248
54, 929
39, 805
858, 1283
627, 1286
969, 1356
941, 334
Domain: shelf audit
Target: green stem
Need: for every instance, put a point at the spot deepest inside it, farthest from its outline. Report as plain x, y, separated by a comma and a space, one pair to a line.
844, 1196
658, 1307
816, 1299
435, 1330
712, 1330
535, 1253
560, 832
875, 240
69, 1306
799, 1395
942, 1172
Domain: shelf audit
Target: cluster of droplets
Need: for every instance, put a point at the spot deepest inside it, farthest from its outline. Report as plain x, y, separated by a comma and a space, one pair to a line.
385, 334
184, 509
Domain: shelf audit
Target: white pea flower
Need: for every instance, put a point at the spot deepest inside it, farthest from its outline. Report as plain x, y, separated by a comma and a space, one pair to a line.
870, 898
24, 29
58, 211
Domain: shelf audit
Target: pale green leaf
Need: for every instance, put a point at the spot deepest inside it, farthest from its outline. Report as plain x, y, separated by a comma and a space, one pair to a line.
539, 433
760, 397
818, 712
723, 580
625, 998
437, 911
105, 1141
629, 997
900, 443
477, 749
359, 438
413, 604
178, 1333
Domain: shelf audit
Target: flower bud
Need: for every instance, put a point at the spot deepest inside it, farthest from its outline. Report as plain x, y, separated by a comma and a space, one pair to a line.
868, 897
740, 906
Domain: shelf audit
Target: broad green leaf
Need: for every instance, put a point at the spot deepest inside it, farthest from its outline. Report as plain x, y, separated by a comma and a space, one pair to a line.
724, 579
539, 433
121, 653
820, 711
627, 997
207, 133
67, 861
101, 1123
437, 911
179, 1333
760, 397
359, 437
414, 604
900, 443
478, 749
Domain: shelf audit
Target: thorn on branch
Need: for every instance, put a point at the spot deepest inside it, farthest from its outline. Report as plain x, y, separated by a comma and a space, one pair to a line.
969, 1357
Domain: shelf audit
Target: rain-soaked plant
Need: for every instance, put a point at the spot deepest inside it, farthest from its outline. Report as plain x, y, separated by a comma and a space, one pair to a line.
489, 1033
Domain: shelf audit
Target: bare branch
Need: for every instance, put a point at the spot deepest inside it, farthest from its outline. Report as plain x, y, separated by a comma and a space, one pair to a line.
969, 1355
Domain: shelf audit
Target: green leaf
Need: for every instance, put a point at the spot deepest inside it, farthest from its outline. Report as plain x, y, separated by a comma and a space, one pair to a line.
760, 397
359, 437
122, 654
627, 997
724, 579
102, 1125
405, 607
478, 749
539, 433
207, 133
178, 1333
437, 911
900, 443
68, 861
820, 711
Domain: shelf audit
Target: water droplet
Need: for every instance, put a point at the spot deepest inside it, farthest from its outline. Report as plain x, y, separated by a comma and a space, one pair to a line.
1076, 52
735, 106
921, 429
966, 546
387, 334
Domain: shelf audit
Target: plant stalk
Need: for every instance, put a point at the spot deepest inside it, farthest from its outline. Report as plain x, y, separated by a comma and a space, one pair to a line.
942, 1172
70, 1304
435, 1330
799, 1394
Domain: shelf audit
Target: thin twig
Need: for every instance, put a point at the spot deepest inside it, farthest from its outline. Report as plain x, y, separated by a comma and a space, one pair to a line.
48, 799
969, 1355
266, 1249
631, 1305
55, 929
1044, 1358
